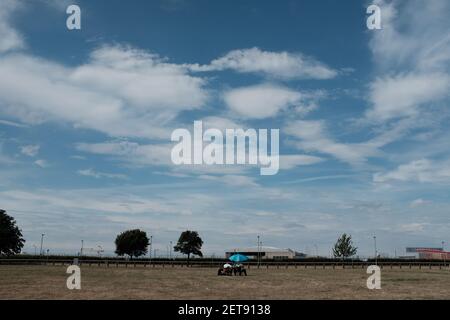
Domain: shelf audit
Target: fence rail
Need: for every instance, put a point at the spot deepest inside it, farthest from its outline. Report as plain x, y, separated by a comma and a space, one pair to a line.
215, 264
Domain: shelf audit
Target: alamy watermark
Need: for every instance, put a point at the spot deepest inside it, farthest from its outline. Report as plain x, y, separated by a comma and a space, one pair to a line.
74, 280
374, 280
231, 147
373, 22
73, 21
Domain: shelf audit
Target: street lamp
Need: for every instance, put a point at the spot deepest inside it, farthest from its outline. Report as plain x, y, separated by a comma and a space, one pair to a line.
42, 242
258, 257
257, 251
375, 244
150, 250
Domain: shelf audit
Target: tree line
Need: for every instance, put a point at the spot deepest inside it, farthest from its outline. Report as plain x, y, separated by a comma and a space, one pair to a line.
134, 243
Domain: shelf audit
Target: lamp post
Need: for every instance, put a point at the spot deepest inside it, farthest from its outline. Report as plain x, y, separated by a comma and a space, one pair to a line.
82, 247
375, 245
171, 247
257, 251
42, 242
150, 249
259, 243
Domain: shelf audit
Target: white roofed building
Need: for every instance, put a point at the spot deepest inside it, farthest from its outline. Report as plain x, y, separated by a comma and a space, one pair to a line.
265, 253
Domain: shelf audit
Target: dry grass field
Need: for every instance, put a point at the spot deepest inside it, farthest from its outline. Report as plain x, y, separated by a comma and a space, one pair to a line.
49, 282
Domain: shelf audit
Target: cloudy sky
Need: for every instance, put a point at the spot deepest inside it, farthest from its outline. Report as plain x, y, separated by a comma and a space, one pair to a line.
86, 118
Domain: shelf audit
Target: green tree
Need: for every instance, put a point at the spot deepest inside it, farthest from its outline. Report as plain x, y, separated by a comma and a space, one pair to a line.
344, 247
11, 241
133, 243
189, 243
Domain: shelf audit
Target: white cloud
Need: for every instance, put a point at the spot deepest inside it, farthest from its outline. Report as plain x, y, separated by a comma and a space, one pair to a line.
412, 227
121, 92
294, 160
261, 101
10, 39
42, 163
143, 79
283, 65
312, 136
220, 123
423, 170
30, 150
98, 175
131, 152
146, 155
12, 124
414, 34
413, 52
232, 180
401, 95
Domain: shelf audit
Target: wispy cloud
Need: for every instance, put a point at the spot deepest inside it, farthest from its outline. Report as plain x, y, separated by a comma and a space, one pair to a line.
30, 150
10, 39
98, 175
423, 170
42, 163
282, 65
312, 136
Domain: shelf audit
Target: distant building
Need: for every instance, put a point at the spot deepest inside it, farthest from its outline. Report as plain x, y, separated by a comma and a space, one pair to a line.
429, 253
266, 253
433, 254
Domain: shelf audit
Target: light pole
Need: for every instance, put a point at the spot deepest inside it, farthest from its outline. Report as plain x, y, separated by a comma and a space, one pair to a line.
258, 257
171, 247
35, 249
260, 251
42, 242
150, 249
82, 247
100, 250
257, 251
375, 245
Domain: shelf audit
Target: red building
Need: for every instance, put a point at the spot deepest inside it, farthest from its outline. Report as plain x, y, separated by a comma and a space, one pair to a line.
433, 254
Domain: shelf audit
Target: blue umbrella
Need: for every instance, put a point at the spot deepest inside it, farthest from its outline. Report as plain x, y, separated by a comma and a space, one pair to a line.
238, 258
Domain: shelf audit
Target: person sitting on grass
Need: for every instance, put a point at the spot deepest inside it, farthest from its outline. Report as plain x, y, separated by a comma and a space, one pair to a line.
239, 268
227, 270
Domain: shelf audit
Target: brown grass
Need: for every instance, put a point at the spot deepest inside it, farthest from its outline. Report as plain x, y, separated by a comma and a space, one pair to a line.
49, 282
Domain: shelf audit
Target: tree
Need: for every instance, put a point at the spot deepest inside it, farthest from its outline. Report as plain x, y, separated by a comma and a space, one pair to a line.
344, 247
11, 241
132, 242
189, 243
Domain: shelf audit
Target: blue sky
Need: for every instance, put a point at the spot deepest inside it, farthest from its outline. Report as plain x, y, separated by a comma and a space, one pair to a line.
86, 117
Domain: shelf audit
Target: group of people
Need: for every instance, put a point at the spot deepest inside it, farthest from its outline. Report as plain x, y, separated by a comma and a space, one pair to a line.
230, 269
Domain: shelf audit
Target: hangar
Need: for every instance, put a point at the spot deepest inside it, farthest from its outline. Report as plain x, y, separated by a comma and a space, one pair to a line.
265, 253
